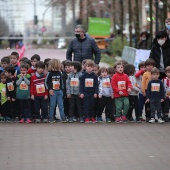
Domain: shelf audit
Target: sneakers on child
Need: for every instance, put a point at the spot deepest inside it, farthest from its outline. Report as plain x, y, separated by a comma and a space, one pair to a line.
87, 120
81, 120
138, 120
118, 120
166, 119
152, 120
93, 120
28, 121
37, 120
70, 120
99, 120
63, 120
45, 120
124, 119
74, 119
131, 120
160, 120
21, 121
108, 120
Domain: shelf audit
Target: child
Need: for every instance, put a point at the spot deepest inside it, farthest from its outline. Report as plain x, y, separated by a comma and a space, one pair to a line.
34, 59
5, 61
105, 95
11, 92
138, 76
89, 91
54, 85
73, 91
84, 66
155, 95
39, 94
149, 64
121, 86
23, 93
166, 82
5, 112
14, 62
129, 69
46, 62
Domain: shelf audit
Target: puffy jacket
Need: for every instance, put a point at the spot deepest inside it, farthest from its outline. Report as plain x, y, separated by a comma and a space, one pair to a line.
83, 49
155, 54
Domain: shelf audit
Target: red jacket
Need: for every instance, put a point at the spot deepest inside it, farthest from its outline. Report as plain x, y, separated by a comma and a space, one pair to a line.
120, 82
37, 86
31, 71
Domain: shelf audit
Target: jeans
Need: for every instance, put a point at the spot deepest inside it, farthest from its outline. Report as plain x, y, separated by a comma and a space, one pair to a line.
25, 108
57, 99
40, 103
122, 103
155, 105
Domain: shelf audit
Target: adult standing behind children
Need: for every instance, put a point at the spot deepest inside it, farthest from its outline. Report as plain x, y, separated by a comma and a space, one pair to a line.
160, 52
83, 47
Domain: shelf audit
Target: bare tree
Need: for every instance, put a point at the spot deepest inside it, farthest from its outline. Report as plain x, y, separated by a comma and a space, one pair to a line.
130, 22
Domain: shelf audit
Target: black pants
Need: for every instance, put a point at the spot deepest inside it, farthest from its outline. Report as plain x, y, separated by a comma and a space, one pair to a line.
96, 101
133, 104
155, 105
5, 110
167, 105
40, 104
113, 107
105, 102
66, 106
75, 100
13, 110
25, 108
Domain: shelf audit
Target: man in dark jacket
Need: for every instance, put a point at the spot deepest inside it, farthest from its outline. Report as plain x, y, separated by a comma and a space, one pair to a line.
83, 47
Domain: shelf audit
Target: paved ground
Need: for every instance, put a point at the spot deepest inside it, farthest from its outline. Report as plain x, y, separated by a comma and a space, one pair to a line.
84, 146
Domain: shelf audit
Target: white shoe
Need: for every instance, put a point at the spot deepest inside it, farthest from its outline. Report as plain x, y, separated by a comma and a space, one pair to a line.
152, 120
160, 120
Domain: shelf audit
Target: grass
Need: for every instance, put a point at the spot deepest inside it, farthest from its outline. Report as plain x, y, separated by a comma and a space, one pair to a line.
108, 59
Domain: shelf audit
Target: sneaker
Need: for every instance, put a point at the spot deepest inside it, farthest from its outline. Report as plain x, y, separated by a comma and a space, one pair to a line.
124, 119
28, 121
160, 120
16, 120
147, 119
152, 120
81, 120
118, 120
108, 120
142, 119
131, 120
37, 120
166, 119
63, 120
99, 120
74, 119
138, 120
45, 120
70, 120
51, 121
93, 120
87, 120
21, 121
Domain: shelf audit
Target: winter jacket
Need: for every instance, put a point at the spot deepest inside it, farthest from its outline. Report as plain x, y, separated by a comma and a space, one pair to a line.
83, 49
135, 89
73, 83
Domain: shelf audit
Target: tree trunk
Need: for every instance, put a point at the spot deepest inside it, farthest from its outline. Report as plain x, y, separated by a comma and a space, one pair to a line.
114, 17
130, 23
122, 17
137, 30
151, 21
164, 9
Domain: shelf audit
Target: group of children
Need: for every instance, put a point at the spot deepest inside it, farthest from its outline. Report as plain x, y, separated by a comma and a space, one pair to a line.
32, 89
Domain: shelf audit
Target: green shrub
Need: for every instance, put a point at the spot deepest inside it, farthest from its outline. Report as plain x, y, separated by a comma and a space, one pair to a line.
108, 59
117, 46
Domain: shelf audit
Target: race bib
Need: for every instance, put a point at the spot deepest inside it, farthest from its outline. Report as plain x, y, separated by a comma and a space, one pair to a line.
121, 85
155, 87
40, 88
168, 92
56, 85
89, 82
3, 92
106, 83
23, 86
10, 86
74, 82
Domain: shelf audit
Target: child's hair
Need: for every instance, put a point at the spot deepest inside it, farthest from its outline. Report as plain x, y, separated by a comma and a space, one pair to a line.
103, 69
97, 66
124, 62
35, 56
54, 65
77, 65
141, 64
118, 63
5, 59
155, 70
3, 74
46, 61
23, 59
84, 62
27, 62
90, 63
167, 69
24, 65
10, 69
149, 61
66, 63
40, 64
111, 70
129, 69
161, 34
15, 54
